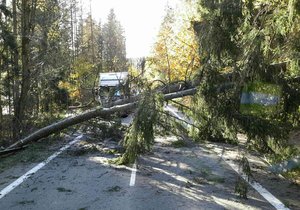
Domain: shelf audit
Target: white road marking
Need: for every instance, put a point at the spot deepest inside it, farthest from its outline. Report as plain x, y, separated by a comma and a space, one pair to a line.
22, 178
133, 175
260, 189
104, 162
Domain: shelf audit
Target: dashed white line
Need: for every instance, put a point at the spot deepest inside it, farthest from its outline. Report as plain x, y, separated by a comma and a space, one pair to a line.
133, 175
24, 177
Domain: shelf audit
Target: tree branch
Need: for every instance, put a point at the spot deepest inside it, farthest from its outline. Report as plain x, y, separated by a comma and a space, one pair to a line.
97, 112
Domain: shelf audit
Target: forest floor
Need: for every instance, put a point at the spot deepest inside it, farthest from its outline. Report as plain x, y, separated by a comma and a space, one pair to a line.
172, 176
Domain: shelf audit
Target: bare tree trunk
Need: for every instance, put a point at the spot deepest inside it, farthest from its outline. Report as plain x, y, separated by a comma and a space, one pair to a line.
27, 26
98, 112
25, 79
72, 29
1, 118
3, 3
92, 34
16, 83
75, 30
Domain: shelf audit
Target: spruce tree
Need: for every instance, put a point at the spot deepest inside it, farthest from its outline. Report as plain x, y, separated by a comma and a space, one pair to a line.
241, 43
114, 49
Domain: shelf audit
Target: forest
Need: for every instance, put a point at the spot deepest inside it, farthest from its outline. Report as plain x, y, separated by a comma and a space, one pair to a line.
212, 59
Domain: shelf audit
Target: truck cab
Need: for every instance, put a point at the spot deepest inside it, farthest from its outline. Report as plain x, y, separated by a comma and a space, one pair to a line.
112, 86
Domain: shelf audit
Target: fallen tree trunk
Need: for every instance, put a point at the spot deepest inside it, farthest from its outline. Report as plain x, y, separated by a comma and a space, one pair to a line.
58, 126
97, 112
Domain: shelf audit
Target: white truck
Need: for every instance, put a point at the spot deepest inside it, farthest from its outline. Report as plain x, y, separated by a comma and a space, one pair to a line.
112, 86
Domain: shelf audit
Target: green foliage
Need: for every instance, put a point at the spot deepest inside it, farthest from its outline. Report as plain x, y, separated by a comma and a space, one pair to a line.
282, 151
211, 124
114, 49
293, 175
99, 129
245, 166
175, 54
241, 188
264, 88
140, 136
179, 144
258, 110
246, 46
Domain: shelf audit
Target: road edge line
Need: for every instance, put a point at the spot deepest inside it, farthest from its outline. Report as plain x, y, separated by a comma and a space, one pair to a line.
32, 171
255, 185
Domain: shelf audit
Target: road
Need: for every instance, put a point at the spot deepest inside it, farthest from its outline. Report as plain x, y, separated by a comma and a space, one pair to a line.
168, 178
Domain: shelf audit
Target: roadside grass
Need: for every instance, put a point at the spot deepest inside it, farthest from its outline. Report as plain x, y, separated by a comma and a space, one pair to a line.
35, 152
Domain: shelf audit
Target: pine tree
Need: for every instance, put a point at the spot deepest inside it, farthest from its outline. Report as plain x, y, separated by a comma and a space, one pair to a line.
242, 42
114, 48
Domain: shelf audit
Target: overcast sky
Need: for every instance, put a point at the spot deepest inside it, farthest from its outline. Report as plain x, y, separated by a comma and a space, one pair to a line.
140, 18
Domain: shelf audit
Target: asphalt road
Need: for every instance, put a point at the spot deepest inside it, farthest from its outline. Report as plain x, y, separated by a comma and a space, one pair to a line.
168, 178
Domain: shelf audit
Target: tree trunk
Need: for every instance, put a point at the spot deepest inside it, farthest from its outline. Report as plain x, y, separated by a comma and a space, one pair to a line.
25, 81
1, 117
98, 112
27, 26
16, 83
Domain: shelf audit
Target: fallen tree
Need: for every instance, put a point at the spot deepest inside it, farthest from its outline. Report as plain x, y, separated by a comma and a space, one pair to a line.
97, 112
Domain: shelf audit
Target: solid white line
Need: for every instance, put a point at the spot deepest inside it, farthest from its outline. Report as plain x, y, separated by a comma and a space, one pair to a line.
133, 175
21, 179
260, 189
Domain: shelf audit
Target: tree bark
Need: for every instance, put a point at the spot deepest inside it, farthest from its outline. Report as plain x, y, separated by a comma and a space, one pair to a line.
98, 112
1, 117
15, 61
27, 27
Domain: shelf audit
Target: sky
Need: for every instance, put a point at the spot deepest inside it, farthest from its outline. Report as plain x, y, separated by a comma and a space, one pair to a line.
140, 18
